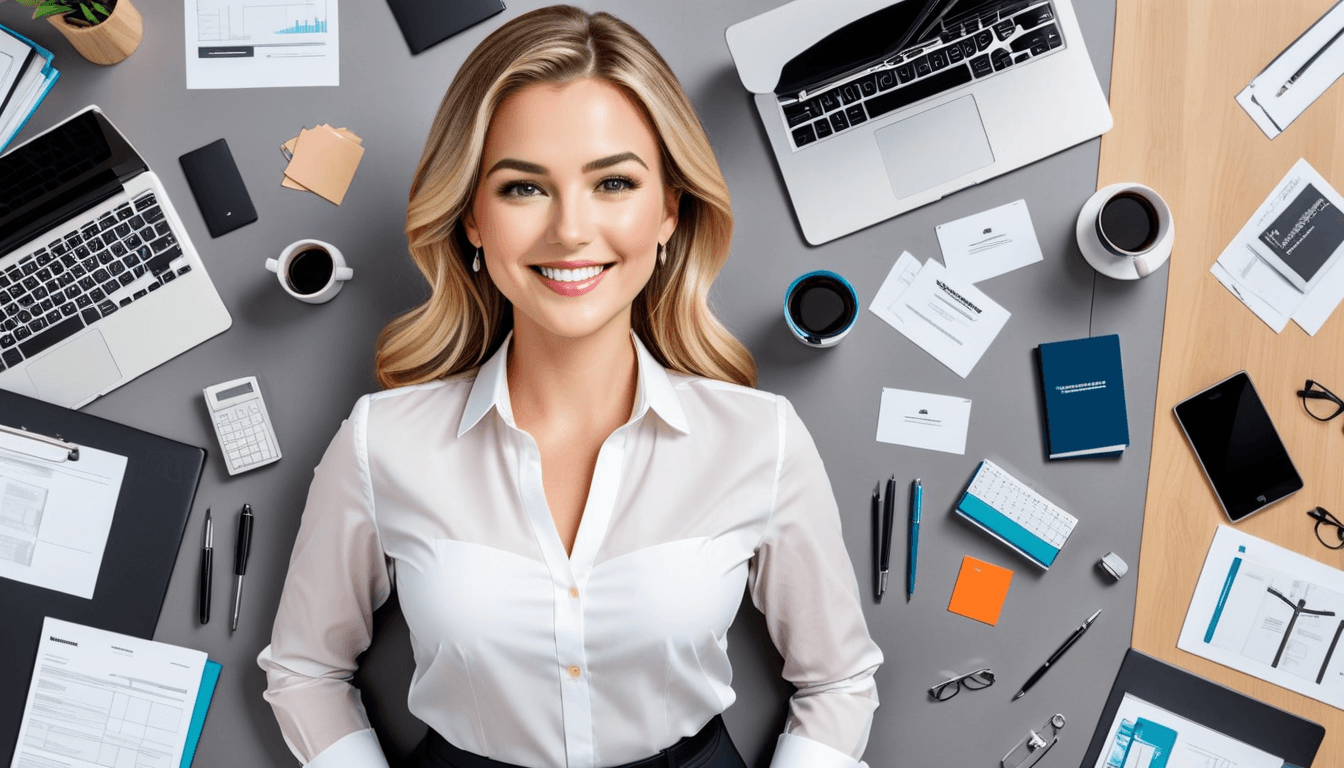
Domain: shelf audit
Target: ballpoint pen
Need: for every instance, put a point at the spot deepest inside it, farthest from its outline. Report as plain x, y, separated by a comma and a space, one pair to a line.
888, 514
207, 567
1302, 69
916, 511
240, 559
1073, 638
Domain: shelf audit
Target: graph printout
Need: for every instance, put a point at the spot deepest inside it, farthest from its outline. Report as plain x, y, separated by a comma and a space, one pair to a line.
1147, 736
1269, 612
262, 43
103, 699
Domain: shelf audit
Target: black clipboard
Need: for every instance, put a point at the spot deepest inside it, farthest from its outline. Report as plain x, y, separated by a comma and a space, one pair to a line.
1280, 733
156, 496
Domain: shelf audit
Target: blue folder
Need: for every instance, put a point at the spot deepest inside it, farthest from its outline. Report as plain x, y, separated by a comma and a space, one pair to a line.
203, 696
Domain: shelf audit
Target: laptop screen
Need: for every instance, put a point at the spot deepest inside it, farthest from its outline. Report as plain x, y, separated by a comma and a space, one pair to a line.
59, 174
861, 43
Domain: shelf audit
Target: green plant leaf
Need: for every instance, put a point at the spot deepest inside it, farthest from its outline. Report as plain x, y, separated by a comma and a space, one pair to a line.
51, 10
88, 14
101, 9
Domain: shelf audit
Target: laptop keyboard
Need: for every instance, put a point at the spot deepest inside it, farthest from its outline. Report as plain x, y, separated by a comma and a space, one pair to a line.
83, 276
970, 47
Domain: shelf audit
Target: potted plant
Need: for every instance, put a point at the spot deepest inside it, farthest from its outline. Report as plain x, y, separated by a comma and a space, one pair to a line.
103, 31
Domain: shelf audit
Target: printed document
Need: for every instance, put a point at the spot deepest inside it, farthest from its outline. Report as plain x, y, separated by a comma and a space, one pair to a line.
1298, 230
55, 514
1269, 612
923, 420
262, 43
948, 317
1274, 107
100, 698
1147, 736
990, 243
900, 277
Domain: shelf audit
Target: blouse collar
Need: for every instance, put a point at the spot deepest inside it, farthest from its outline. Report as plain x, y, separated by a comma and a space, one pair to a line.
654, 391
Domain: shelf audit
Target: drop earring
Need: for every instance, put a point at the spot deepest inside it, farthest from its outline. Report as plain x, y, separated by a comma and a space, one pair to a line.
476, 262
662, 255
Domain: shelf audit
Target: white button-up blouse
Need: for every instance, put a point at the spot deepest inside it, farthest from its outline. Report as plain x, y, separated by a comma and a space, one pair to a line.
594, 659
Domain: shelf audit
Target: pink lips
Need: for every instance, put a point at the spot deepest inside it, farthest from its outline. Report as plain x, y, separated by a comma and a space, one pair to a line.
572, 289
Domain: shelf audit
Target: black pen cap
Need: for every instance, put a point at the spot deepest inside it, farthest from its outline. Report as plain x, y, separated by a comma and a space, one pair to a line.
244, 540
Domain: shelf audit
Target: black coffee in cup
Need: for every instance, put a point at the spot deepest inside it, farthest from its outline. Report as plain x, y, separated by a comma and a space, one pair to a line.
1129, 222
309, 271
821, 308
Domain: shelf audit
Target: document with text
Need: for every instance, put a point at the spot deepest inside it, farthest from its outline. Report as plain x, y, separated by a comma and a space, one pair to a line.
55, 514
1271, 613
948, 317
262, 43
100, 698
1146, 736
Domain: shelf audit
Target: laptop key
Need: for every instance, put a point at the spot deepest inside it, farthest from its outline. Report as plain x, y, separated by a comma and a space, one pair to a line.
804, 136
12, 357
52, 316
1021, 57
838, 121
125, 301
983, 39
116, 268
22, 332
83, 301
938, 60
856, 114
110, 287
7, 340
850, 94
102, 276
160, 261
822, 127
45, 305
153, 214
145, 201
52, 336
140, 294
828, 102
1052, 38
43, 258
1004, 29
868, 85
170, 275
1035, 17
1001, 59
90, 316
184, 270
954, 53
107, 307
797, 113
886, 79
905, 73
97, 294
37, 325
922, 66
127, 278
124, 211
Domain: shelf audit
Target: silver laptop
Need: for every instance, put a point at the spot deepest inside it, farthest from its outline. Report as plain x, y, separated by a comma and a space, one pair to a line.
874, 108
98, 280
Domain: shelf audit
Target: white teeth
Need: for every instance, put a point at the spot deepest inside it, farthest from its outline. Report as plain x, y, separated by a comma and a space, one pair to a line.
571, 275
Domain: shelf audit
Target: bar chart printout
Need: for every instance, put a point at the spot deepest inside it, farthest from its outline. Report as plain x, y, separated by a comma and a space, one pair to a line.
261, 43
1269, 612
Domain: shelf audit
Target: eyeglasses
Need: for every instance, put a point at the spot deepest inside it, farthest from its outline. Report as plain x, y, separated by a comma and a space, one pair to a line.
1321, 403
1333, 536
980, 678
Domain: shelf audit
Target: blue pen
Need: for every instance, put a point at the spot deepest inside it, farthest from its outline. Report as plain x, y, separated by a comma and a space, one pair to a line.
916, 507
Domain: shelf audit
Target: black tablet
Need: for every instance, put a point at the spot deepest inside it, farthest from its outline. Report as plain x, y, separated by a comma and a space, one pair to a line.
1238, 447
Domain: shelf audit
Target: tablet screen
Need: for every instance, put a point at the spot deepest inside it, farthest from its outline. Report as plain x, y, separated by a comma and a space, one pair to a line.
1238, 447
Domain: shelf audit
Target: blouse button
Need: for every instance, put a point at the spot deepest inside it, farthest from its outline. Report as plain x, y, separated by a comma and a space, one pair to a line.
573, 591
574, 671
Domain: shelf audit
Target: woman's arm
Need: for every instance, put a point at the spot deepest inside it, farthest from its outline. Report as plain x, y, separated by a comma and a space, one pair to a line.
337, 577
802, 580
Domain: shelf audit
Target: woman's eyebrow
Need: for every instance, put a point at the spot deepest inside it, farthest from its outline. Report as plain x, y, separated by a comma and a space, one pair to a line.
607, 162
518, 165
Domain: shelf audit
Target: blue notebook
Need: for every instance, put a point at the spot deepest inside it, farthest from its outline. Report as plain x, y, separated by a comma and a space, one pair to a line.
203, 696
1084, 388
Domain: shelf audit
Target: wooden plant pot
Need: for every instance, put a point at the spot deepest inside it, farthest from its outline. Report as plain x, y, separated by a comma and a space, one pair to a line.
109, 42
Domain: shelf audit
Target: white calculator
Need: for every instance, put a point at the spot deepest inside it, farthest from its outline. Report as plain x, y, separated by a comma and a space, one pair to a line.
242, 425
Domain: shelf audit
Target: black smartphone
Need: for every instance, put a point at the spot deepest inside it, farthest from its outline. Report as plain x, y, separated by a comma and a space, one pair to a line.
1238, 447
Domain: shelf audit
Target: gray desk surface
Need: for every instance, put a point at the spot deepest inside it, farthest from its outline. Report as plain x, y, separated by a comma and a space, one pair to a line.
313, 362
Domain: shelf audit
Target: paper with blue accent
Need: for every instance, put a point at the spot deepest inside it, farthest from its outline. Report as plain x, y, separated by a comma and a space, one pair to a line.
26, 76
1271, 613
1084, 386
1144, 735
203, 695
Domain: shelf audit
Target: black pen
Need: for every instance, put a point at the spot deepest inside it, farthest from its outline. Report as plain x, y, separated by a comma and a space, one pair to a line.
1302, 69
1077, 633
207, 567
888, 517
240, 551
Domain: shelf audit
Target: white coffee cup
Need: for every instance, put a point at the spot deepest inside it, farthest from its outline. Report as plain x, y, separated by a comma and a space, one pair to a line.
1125, 231
311, 271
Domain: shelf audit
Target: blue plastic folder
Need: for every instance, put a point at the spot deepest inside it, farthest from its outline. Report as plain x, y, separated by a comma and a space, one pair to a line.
49, 76
203, 696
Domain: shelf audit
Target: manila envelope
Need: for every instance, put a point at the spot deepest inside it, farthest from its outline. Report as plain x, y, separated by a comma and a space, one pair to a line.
980, 591
323, 161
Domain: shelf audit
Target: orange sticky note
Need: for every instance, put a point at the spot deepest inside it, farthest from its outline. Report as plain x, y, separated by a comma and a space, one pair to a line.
980, 591
324, 162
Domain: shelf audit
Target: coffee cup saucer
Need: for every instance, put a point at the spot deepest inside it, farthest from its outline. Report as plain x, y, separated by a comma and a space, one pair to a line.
1102, 260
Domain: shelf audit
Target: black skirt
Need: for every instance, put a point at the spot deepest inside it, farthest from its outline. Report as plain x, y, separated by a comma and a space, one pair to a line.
710, 748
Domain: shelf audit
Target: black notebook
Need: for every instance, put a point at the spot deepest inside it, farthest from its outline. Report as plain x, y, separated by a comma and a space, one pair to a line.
156, 496
425, 23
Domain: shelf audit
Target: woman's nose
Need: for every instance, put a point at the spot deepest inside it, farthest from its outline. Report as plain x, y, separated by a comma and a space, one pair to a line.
572, 222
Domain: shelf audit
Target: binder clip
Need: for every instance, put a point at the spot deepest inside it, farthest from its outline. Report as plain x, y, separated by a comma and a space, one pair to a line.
1034, 746
43, 447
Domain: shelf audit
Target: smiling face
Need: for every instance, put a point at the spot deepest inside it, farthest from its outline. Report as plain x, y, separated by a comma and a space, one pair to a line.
570, 207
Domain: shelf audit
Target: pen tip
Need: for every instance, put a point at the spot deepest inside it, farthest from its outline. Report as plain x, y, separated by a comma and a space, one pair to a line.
1019, 695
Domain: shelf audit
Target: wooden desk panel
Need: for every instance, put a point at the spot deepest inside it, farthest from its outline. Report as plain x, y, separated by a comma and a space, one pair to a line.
1177, 68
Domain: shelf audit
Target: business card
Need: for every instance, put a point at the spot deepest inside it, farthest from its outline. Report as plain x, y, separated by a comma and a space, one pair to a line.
990, 243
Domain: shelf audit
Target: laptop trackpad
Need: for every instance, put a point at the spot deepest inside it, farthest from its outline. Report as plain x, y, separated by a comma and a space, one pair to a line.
934, 147
75, 372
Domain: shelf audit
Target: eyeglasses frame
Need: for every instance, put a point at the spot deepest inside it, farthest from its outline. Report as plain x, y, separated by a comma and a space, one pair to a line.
1322, 516
961, 680
1320, 393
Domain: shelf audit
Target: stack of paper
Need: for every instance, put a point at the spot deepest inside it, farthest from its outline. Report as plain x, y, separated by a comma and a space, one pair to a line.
1298, 76
322, 160
26, 75
943, 313
1284, 263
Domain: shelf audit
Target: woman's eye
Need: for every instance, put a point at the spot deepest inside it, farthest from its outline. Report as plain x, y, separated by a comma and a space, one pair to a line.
617, 184
520, 189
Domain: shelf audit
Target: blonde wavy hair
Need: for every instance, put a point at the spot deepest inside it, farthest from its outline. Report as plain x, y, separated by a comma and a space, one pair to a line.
466, 318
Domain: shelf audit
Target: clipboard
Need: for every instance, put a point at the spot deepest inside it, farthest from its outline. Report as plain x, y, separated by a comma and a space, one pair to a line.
157, 493
1283, 734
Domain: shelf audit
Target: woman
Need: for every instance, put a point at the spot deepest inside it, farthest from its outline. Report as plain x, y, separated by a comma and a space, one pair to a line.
568, 478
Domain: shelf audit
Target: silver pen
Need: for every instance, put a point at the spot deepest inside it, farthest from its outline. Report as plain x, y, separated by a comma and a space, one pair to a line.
240, 552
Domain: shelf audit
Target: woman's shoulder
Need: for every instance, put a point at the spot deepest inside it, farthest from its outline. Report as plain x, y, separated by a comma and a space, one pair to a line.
725, 399
412, 400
